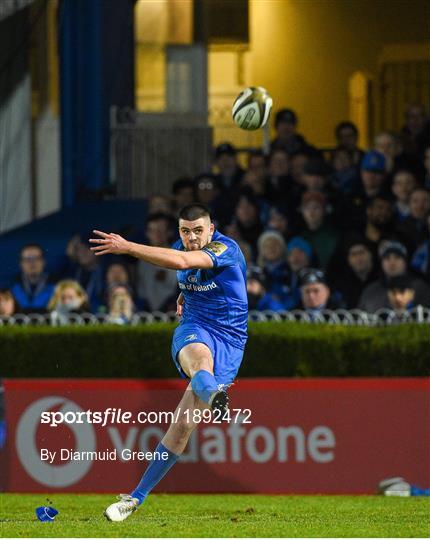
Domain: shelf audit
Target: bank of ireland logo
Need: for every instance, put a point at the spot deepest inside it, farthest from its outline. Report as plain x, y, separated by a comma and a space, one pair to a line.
192, 278
29, 455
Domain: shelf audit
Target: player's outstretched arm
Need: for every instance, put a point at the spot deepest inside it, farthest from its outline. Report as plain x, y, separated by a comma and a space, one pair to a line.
167, 258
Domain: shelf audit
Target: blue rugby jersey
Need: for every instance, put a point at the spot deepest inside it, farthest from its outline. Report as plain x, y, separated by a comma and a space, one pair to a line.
216, 298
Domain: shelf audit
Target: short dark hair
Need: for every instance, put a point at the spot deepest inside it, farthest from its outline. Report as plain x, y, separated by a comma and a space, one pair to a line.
194, 211
346, 124
278, 150
256, 152
380, 197
399, 283
157, 216
181, 183
286, 115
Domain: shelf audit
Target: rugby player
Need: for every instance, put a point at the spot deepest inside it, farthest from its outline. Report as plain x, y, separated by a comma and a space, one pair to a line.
209, 342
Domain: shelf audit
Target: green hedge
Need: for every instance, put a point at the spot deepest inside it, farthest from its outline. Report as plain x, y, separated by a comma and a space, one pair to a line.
273, 349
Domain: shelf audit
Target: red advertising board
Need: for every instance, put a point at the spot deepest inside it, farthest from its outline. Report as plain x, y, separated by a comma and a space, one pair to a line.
300, 436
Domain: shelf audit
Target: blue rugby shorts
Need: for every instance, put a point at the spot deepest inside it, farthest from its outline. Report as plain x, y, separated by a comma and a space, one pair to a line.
227, 358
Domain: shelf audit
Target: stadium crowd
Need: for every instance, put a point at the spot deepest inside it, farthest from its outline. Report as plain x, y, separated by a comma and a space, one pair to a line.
319, 230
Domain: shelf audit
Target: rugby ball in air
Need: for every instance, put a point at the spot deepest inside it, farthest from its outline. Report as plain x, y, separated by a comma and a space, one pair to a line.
251, 109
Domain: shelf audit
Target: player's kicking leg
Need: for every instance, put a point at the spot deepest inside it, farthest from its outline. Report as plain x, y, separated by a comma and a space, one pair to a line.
196, 360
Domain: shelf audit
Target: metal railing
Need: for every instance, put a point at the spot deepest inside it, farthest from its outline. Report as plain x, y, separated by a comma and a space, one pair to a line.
353, 317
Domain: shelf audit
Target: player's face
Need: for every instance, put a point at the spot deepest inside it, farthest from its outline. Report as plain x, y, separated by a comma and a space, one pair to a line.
196, 234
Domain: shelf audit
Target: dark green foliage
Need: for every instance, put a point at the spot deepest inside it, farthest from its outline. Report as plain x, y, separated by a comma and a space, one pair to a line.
273, 350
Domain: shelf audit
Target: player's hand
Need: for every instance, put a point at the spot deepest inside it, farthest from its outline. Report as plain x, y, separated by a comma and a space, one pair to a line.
109, 243
180, 305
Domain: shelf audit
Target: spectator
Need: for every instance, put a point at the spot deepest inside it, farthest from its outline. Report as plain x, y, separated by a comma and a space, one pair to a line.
8, 306
287, 137
427, 167
206, 188
272, 258
258, 298
158, 203
68, 298
299, 256
416, 131
183, 192
84, 267
347, 139
400, 293
117, 274
346, 174
229, 175
278, 221
404, 183
258, 186
121, 307
421, 258
315, 174
394, 257
297, 166
359, 271
257, 163
379, 221
208, 192
279, 181
314, 292
246, 224
33, 289
390, 145
322, 236
414, 227
316, 178
157, 286
372, 176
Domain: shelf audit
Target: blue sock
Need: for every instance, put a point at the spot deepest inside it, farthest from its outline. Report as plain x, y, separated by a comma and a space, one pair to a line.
154, 473
204, 385
417, 491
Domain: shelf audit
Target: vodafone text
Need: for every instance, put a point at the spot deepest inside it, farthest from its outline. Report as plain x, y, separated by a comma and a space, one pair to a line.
238, 443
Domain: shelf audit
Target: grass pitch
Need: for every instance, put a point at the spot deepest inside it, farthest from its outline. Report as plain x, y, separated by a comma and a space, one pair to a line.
221, 516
